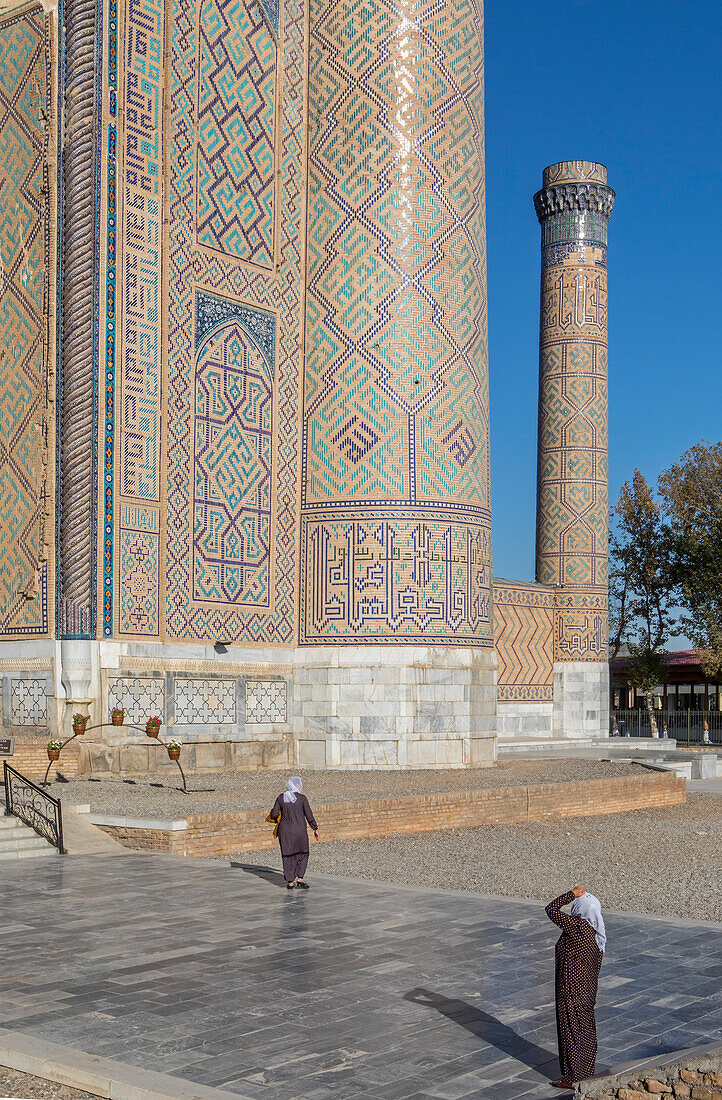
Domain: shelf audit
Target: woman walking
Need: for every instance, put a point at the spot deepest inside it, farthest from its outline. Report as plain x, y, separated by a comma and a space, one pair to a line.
578, 960
294, 811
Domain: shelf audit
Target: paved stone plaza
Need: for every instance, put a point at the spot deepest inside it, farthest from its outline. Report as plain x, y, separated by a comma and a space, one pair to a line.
354, 989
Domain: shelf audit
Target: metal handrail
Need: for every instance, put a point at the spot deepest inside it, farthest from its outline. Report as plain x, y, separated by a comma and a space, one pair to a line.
691, 727
35, 807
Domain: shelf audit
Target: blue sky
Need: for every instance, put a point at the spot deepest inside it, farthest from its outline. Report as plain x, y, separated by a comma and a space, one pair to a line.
636, 85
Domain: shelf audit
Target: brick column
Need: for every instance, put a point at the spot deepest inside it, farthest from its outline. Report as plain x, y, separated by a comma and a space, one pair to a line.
573, 208
396, 522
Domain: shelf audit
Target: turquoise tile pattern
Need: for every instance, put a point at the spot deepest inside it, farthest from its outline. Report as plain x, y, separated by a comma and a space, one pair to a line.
395, 527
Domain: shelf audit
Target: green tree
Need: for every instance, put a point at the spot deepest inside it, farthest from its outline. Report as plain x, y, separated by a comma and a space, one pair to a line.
692, 493
641, 586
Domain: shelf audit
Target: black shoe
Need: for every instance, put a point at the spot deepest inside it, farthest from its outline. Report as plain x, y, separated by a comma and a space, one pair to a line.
568, 1085
289, 886
302, 885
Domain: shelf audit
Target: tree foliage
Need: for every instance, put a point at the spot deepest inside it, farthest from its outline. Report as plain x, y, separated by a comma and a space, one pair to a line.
641, 587
641, 576
691, 490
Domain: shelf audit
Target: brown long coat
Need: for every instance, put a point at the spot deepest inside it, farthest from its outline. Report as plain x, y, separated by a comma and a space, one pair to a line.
292, 831
578, 961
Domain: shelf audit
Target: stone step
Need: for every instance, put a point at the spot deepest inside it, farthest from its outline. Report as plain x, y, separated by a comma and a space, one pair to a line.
22, 840
19, 841
29, 853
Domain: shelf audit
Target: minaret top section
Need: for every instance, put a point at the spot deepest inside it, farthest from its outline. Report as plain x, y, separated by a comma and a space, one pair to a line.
574, 203
574, 171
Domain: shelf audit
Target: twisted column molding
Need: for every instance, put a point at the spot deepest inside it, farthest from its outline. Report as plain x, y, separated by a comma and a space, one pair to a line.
77, 396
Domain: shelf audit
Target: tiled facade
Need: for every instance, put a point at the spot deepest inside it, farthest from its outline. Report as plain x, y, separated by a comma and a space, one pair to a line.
289, 451
574, 207
27, 113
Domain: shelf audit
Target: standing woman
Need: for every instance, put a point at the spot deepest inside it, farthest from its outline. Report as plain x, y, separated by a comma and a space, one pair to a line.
294, 811
578, 960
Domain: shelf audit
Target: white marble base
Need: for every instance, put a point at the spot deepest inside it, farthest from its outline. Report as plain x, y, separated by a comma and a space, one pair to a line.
524, 720
320, 707
581, 699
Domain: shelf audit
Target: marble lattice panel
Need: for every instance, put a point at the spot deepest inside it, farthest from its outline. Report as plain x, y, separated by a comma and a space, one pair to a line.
25, 101
203, 701
142, 697
266, 701
28, 701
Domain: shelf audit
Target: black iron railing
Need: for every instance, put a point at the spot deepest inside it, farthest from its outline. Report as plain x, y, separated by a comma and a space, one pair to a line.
31, 804
686, 727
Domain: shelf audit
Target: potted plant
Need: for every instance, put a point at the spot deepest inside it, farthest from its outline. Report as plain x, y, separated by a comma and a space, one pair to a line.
54, 748
152, 726
117, 716
174, 747
80, 721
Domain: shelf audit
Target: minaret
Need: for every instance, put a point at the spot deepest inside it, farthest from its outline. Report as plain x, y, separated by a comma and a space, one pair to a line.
396, 521
573, 208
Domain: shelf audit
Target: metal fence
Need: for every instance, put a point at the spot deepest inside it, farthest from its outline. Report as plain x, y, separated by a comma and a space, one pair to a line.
31, 804
690, 727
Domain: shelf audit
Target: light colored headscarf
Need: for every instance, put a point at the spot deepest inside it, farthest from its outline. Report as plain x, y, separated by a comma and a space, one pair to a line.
590, 909
295, 786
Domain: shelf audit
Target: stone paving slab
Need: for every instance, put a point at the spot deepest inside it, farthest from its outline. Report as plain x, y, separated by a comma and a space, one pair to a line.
220, 976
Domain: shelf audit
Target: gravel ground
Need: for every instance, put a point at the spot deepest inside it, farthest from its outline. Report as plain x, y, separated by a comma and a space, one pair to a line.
665, 861
220, 792
13, 1083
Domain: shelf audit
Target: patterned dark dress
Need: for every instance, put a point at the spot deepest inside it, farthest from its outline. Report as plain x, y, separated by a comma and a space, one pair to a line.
578, 961
293, 834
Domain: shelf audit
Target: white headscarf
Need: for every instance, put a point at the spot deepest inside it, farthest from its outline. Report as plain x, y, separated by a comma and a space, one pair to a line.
295, 786
590, 909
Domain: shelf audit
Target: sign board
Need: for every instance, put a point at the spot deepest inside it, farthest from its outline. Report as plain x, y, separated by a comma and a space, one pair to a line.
6, 746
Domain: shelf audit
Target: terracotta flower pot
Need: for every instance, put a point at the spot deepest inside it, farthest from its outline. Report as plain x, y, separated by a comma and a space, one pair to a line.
79, 727
152, 729
173, 753
53, 754
117, 719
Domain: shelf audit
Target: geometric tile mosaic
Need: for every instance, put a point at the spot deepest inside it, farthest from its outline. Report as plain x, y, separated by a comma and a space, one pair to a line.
28, 702
232, 478
524, 640
235, 135
138, 567
141, 211
204, 700
25, 124
231, 558
572, 516
395, 440
142, 697
395, 579
266, 701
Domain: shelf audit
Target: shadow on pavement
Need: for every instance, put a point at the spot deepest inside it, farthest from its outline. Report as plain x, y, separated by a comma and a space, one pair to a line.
267, 874
486, 1027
